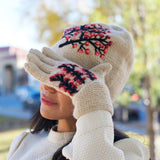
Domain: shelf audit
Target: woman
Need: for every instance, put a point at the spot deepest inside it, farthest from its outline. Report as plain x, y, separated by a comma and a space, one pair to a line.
81, 76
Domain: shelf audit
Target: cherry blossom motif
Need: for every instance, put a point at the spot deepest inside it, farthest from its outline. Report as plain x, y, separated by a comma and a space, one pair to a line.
97, 53
89, 34
80, 50
87, 51
71, 76
86, 43
74, 45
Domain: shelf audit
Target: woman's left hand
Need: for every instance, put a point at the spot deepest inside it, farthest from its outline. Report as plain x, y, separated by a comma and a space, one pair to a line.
82, 85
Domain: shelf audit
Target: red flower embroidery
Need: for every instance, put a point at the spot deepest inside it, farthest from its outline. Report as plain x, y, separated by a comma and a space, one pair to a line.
71, 76
88, 34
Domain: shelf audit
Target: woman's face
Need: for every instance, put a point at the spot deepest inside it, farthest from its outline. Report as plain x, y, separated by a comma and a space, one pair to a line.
54, 104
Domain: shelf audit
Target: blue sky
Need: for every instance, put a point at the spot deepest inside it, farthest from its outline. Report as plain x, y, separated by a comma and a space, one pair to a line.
14, 29
18, 30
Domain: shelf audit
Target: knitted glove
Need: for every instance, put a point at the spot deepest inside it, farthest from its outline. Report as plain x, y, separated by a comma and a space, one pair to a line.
86, 88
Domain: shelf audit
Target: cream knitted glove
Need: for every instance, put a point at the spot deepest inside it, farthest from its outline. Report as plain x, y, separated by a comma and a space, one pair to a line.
86, 88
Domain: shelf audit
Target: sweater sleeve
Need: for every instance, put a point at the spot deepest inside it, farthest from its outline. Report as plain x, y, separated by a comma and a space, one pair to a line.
94, 140
16, 142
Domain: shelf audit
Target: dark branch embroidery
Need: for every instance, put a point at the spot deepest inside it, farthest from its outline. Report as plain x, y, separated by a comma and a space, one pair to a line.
89, 34
71, 76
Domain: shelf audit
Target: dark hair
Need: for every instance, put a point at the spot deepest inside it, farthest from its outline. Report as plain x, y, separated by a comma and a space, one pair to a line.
38, 123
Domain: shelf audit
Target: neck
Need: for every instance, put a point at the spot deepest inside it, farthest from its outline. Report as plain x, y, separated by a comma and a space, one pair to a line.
67, 125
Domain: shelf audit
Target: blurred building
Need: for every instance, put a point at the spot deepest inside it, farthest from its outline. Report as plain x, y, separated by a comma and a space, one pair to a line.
12, 73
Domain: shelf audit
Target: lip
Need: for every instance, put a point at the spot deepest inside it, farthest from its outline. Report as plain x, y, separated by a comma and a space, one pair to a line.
47, 101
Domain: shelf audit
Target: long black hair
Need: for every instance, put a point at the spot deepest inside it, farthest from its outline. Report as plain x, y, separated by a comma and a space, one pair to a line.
39, 123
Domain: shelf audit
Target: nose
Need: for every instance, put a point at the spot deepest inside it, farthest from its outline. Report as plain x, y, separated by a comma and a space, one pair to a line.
47, 90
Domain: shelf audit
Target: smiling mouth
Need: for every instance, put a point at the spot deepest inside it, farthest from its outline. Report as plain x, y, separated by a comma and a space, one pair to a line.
47, 101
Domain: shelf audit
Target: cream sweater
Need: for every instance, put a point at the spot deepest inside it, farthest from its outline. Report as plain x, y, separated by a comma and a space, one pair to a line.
93, 140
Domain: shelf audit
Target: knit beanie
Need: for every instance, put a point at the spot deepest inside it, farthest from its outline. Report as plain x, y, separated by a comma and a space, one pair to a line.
96, 43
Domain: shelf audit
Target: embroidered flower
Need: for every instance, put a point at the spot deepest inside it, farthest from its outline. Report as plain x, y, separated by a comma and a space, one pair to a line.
86, 35
71, 76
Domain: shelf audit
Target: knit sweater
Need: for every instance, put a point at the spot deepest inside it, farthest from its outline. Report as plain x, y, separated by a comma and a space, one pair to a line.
93, 140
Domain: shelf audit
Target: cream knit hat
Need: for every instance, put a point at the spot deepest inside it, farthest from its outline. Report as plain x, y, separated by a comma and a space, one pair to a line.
91, 44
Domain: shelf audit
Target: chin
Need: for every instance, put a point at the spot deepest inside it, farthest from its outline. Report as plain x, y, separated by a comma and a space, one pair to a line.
46, 114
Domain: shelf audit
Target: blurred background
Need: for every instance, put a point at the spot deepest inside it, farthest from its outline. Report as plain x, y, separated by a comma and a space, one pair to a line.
35, 24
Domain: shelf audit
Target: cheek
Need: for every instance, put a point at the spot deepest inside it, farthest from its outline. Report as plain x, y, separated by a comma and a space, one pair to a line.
66, 103
64, 109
